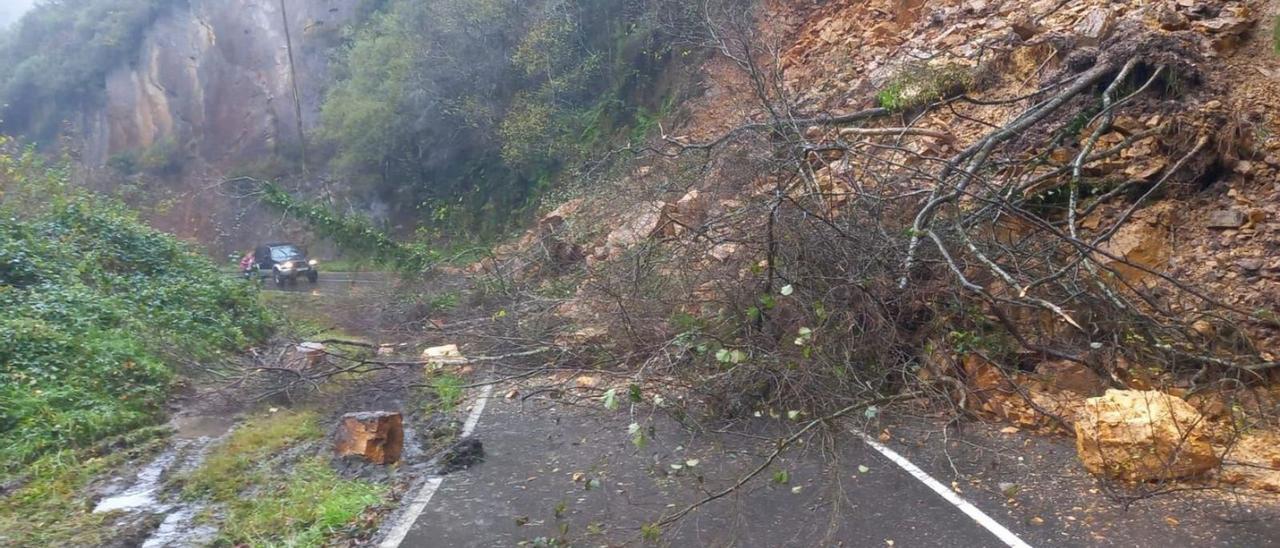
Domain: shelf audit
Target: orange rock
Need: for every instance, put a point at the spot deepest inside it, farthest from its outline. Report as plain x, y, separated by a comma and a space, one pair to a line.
376, 436
1143, 436
643, 225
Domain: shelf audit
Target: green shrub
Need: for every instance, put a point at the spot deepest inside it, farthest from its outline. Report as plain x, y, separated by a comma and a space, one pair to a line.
163, 157
99, 309
124, 163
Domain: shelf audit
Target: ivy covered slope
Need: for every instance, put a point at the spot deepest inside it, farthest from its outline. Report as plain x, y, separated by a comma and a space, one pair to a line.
98, 312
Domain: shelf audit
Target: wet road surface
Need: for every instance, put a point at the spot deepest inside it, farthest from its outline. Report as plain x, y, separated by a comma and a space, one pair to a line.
573, 474
332, 283
564, 473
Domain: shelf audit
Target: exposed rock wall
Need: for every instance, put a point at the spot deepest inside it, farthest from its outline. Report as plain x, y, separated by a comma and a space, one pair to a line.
214, 77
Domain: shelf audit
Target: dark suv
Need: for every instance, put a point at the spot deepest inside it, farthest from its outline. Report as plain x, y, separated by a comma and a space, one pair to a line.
285, 262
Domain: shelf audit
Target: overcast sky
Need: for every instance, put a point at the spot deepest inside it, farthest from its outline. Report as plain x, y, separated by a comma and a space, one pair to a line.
11, 10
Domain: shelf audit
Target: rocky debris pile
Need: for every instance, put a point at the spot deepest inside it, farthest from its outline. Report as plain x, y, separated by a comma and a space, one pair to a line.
1137, 436
375, 436
1055, 391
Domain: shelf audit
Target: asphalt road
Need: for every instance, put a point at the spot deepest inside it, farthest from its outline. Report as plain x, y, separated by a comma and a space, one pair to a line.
574, 475
332, 283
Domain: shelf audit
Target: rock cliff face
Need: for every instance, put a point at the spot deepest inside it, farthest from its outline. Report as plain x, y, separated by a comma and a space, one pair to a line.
214, 76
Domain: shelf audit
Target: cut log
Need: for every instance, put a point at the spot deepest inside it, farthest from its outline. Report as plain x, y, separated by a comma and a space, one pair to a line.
376, 436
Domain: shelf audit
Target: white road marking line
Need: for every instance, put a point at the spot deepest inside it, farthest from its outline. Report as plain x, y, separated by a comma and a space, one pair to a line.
474, 418
433, 483
1006, 536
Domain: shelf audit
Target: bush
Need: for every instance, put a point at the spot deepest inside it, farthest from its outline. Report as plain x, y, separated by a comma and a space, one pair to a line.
98, 311
163, 157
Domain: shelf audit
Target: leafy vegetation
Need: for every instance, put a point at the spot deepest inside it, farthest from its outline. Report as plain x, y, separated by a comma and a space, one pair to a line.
98, 311
53, 62
447, 389
465, 110
352, 232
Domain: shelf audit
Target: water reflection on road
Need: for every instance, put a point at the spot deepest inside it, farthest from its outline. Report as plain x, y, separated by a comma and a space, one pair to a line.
333, 283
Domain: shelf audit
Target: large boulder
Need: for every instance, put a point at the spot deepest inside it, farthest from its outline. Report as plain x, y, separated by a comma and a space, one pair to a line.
1137, 435
375, 436
644, 223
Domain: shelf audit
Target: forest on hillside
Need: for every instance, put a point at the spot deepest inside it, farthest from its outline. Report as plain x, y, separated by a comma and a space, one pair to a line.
459, 113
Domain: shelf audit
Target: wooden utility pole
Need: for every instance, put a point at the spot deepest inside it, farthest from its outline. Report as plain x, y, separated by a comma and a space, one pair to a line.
293, 80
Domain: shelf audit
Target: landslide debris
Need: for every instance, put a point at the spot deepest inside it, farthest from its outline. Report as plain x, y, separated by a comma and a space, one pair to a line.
1119, 209
1138, 435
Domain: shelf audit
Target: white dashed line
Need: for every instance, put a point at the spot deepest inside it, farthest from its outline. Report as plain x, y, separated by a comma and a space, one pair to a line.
1006, 536
429, 487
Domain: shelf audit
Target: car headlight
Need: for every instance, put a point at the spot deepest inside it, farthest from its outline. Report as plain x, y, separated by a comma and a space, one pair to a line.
313, 262
286, 266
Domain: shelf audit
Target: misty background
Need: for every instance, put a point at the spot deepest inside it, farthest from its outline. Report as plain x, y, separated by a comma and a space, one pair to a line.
12, 10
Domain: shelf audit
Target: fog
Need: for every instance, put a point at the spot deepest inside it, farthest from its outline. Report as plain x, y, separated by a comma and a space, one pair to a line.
11, 10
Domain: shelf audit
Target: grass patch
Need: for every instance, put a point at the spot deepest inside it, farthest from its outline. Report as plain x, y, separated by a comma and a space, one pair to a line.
273, 503
448, 391
52, 508
230, 468
303, 509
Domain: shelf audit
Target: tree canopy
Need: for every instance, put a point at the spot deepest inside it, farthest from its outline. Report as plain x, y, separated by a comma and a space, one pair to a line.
54, 61
462, 108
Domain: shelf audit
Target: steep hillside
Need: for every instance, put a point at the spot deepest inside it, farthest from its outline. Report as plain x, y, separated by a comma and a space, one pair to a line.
1007, 206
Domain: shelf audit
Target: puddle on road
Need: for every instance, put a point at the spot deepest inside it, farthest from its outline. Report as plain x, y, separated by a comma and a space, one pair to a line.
142, 494
178, 529
201, 426
191, 440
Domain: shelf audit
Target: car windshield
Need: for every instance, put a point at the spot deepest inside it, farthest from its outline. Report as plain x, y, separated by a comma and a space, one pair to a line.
285, 253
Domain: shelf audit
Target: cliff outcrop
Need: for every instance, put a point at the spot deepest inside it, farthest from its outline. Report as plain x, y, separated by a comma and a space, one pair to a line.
213, 76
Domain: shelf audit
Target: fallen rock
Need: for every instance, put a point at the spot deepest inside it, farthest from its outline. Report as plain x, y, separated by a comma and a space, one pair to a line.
1025, 27
688, 212
1095, 27
1138, 435
722, 252
1225, 218
559, 215
1170, 19
584, 336
644, 225
376, 436
1251, 264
